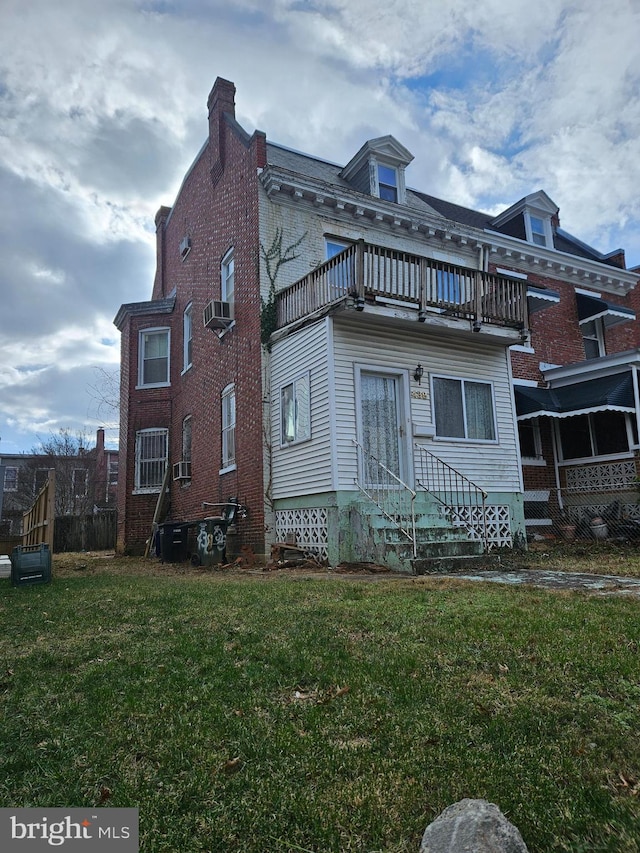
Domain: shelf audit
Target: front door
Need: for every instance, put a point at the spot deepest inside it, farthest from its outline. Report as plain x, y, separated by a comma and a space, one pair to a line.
382, 420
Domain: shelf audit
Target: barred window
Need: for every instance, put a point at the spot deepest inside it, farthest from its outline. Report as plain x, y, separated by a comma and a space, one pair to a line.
151, 458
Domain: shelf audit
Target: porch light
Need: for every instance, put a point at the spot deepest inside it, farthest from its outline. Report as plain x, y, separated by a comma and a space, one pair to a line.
418, 373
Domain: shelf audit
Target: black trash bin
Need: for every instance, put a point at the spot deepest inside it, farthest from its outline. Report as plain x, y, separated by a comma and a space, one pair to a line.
174, 538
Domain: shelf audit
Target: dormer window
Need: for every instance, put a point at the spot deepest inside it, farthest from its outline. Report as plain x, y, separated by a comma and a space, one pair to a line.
530, 219
378, 169
387, 183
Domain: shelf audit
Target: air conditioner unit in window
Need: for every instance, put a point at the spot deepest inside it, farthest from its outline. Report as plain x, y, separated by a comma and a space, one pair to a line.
217, 314
185, 246
182, 471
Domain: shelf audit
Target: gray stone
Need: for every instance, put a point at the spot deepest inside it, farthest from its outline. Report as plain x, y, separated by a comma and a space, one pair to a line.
472, 826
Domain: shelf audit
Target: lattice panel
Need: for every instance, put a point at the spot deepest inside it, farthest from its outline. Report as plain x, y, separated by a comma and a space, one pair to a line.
309, 527
608, 476
498, 523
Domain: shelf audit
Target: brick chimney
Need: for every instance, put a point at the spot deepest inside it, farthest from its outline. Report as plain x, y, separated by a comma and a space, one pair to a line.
161, 220
221, 100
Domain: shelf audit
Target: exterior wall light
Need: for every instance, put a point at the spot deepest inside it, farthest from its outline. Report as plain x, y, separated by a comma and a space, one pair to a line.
418, 373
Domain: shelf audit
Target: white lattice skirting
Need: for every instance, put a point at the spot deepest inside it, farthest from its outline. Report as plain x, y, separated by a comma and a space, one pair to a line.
309, 526
498, 523
605, 477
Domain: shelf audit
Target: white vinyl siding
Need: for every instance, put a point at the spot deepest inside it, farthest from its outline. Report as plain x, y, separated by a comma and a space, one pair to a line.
306, 467
384, 348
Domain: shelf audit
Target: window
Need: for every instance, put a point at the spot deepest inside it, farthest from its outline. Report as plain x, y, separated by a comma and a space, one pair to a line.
463, 409
538, 234
295, 411
593, 338
228, 277
530, 443
186, 439
10, 479
154, 358
79, 482
597, 434
448, 284
387, 183
538, 229
113, 472
151, 459
229, 426
187, 337
341, 274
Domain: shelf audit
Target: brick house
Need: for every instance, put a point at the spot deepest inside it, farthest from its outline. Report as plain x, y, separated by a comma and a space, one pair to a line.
338, 352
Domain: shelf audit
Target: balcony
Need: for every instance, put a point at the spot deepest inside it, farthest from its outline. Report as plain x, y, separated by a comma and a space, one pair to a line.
366, 274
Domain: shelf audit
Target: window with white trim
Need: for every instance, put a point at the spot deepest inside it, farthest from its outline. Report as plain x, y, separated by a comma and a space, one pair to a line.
295, 411
595, 434
387, 182
538, 229
229, 426
593, 338
228, 277
10, 479
153, 360
463, 408
187, 337
530, 440
152, 449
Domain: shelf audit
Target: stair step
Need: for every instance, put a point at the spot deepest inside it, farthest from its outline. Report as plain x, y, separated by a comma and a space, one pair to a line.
463, 547
462, 563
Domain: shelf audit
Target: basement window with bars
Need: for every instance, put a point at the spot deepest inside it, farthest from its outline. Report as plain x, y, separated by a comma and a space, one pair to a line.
152, 447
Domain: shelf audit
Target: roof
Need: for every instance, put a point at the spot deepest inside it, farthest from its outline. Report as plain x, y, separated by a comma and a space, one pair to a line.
329, 173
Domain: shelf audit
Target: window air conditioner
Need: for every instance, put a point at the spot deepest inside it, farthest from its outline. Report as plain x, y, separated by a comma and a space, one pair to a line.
182, 471
217, 314
185, 246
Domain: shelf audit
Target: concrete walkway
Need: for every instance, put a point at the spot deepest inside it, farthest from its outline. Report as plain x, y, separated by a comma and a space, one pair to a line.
600, 584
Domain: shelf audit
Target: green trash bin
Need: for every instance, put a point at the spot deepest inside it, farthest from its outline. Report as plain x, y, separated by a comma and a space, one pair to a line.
211, 538
30, 564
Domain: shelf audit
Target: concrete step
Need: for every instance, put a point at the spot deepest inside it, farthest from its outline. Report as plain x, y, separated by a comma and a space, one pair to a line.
460, 563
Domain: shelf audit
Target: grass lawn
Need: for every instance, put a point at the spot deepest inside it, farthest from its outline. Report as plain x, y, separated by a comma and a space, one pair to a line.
283, 713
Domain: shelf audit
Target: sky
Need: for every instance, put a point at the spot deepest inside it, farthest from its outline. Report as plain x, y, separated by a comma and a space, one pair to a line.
103, 109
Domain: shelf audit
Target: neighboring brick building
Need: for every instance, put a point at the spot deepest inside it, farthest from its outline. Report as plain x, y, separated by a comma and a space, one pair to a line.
86, 480
335, 351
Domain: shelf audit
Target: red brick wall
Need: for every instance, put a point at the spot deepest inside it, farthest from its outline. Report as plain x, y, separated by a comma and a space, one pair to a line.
217, 209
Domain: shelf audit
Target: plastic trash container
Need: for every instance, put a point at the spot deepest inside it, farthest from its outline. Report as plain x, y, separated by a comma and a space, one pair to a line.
212, 541
30, 564
174, 536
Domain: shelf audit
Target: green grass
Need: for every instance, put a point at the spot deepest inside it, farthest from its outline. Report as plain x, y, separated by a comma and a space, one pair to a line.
288, 714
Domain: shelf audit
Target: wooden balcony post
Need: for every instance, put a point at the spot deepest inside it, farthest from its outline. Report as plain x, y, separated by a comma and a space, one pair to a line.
477, 301
359, 275
422, 295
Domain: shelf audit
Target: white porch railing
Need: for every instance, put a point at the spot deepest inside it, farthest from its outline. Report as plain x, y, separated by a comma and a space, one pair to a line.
394, 499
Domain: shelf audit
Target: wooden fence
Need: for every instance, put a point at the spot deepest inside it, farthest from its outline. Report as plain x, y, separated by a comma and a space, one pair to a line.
38, 522
86, 532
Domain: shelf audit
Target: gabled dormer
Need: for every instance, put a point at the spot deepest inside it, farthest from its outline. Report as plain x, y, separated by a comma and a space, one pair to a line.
378, 169
534, 218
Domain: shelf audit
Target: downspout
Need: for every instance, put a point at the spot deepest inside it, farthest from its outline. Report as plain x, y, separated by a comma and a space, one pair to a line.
636, 400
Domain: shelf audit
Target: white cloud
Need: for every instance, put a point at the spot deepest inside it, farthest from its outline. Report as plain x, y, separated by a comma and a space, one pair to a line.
103, 109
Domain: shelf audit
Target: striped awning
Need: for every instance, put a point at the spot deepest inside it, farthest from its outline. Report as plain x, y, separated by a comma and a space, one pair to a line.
607, 393
593, 307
